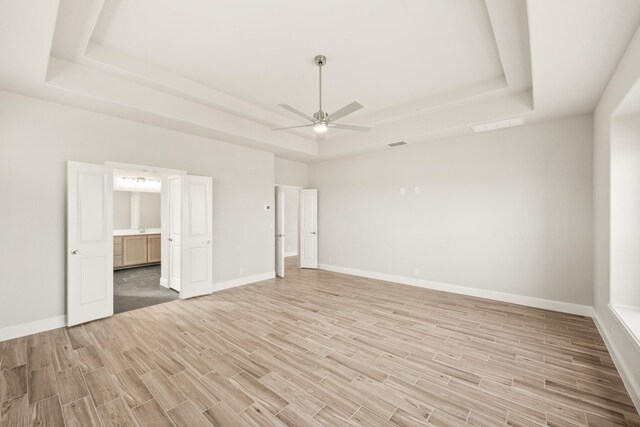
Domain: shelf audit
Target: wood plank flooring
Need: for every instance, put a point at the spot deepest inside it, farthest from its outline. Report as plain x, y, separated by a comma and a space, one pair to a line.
317, 348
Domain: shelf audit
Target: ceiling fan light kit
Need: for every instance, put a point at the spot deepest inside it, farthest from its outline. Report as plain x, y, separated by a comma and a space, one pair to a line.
320, 120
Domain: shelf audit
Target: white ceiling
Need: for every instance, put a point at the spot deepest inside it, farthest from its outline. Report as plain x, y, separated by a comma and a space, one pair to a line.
424, 69
383, 54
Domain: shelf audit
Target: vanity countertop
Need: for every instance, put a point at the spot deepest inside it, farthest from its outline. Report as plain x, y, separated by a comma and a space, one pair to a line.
136, 232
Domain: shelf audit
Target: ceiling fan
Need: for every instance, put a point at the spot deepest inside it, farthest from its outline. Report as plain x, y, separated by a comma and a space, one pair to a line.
321, 121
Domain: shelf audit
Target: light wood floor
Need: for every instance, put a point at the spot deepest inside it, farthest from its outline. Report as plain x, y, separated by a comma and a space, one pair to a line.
317, 348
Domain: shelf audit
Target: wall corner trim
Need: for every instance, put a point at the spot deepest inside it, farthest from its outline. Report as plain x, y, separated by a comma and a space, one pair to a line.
565, 307
633, 388
35, 327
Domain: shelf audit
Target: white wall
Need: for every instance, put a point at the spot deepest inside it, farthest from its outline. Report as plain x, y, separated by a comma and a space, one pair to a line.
625, 349
288, 172
506, 211
36, 140
149, 210
625, 210
121, 210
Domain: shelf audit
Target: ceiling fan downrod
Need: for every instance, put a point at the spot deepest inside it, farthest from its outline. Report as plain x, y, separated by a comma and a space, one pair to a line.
320, 61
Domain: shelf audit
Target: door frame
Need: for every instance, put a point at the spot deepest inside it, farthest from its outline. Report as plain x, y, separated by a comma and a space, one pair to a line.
164, 210
284, 187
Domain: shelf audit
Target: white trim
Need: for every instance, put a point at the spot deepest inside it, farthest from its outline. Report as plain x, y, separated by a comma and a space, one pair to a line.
565, 307
161, 171
289, 187
164, 282
625, 326
633, 388
292, 253
243, 281
25, 329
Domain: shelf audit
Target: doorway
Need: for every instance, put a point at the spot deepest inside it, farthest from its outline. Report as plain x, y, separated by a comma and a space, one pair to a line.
296, 237
137, 240
91, 243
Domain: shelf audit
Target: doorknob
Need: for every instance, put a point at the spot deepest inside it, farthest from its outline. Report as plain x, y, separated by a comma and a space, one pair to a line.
75, 252
281, 235
207, 242
313, 232
170, 239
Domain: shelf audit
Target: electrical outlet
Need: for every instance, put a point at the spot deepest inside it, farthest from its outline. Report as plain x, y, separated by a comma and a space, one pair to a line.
330, 259
417, 190
416, 271
241, 271
402, 191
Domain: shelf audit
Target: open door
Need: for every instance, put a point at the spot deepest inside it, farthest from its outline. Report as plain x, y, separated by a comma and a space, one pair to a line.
280, 206
175, 225
196, 237
308, 243
89, 242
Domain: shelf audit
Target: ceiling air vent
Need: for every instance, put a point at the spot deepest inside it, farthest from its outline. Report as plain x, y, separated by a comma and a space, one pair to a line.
396, 144
485, 127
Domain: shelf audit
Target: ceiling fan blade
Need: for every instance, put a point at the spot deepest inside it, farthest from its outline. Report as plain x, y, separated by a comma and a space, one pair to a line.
350, 127
348, 109
296, 111
294, 127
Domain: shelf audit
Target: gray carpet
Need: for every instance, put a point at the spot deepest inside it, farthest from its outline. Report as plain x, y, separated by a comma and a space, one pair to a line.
139, 287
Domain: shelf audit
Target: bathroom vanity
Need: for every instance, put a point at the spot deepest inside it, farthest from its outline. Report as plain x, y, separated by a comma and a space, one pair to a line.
134, 248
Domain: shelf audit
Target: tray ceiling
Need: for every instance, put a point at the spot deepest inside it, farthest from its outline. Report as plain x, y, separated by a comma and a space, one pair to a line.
381, 53
424, 69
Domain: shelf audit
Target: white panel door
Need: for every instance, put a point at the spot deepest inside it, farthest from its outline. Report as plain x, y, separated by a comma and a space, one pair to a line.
197, 219
89, 242
308, 243
175, 225
280, 206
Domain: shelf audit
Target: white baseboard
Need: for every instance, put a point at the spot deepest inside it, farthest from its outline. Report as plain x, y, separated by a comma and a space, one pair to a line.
24, 329
629, 381
565, 307
292, 253
164, 282
243, 281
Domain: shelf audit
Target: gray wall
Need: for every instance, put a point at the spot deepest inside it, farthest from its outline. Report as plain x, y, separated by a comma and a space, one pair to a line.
288, 172
150, 210
121, 210
33, 198
507, 211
